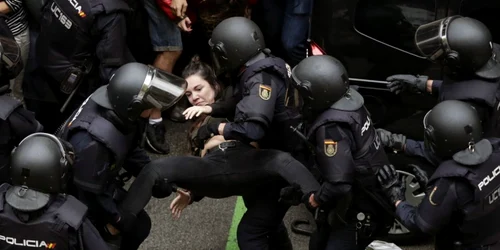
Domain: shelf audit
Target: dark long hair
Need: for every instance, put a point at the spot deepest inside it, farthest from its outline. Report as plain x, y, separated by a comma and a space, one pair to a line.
203, 70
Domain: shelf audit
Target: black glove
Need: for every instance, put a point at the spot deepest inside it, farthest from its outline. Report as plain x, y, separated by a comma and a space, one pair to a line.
291, 195
394, 141
420, 176
394, 187
409, 83
126, 223
162, 189
205, 132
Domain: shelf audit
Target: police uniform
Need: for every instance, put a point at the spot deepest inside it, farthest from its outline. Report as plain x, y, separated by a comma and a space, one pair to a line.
261, 114
15, 124
462, 202
60, 225
80, 41
348, 154
104, 144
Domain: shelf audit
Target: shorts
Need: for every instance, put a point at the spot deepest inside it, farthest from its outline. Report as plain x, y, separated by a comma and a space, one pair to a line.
164, 33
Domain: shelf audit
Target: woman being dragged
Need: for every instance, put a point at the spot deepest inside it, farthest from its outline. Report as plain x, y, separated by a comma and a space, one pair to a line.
222, 168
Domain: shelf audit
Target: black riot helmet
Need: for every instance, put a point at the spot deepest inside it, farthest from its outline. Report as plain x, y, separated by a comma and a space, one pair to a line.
451, 126
39, 166
234, 42
136, 87
323, 83
462, 44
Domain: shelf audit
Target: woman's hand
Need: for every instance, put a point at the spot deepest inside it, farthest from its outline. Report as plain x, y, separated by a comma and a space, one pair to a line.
180, 202
185, 24
196, 111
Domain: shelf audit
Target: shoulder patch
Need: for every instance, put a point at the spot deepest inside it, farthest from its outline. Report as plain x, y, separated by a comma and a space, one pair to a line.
330, 147
264, 92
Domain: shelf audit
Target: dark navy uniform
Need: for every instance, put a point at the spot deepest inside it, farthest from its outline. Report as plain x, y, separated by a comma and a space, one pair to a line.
79, 42
348, 154
62, 225
104, 145
15, 124
417, 148
261, 114
462, 203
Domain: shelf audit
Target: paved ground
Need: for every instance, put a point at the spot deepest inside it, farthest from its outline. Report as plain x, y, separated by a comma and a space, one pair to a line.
207, 225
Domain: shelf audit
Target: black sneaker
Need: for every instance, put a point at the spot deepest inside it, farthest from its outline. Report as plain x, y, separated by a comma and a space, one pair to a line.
155, 138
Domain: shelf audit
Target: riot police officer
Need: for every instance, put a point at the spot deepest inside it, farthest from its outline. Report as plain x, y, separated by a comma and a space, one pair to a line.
105, 133
261, 115
347, 152
462, 206
36, 212
15, 121
80, 45
464, 46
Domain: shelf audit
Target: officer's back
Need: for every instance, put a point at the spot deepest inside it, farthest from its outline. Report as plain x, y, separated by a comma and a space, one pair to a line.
35, 212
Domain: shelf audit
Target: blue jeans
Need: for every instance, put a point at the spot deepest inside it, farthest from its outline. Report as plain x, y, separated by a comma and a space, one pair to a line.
164, 33
286, 22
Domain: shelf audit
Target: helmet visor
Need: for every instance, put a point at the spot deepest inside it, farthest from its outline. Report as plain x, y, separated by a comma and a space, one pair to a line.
162, 89
431, 39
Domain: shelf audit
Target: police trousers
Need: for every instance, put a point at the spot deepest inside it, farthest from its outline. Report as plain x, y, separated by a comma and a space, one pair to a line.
257, 175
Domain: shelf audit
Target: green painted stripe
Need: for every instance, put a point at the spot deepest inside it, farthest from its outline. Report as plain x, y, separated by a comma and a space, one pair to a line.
239, 210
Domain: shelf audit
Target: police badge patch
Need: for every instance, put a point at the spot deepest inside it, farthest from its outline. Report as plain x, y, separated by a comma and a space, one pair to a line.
264, 92
330, 148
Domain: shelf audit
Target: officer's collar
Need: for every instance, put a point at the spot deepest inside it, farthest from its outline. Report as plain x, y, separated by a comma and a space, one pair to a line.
474, 155
261, 55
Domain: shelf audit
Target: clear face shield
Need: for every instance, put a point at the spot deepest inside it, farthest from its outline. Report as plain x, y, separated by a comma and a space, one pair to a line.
10, 56
431, 39
161, 89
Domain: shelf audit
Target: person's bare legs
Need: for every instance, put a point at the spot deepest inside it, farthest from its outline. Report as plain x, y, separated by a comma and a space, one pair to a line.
167, 42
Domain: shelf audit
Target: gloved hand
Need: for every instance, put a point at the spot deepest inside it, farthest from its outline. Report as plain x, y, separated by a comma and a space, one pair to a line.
394, 187
205, 132
420, 176
291, 195
394, 141
409, 83
162, 189
126, 222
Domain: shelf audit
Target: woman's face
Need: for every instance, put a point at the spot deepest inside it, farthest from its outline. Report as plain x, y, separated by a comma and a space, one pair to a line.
199, 92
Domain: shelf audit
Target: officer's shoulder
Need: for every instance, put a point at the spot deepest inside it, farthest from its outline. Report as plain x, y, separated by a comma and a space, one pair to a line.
110, 6
333, 131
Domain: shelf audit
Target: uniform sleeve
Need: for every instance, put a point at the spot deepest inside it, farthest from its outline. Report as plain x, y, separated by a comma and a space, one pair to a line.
90, 176
417, 148
255, 111
434, 212
334, 159
436, 86
23, 123
136, 160
112, 49
91, 238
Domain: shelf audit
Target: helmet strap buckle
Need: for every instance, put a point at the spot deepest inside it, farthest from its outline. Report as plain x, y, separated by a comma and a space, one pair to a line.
468, 130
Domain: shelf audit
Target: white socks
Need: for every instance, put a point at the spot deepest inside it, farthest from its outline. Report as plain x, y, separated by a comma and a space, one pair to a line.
155, 121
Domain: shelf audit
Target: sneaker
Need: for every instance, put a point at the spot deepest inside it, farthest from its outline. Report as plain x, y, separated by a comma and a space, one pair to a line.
155, 138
